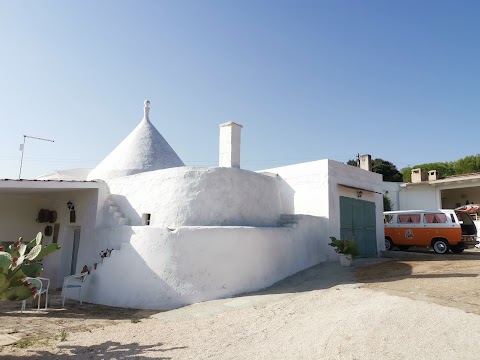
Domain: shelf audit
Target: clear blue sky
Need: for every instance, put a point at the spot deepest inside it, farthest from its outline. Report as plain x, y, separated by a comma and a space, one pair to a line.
308, 80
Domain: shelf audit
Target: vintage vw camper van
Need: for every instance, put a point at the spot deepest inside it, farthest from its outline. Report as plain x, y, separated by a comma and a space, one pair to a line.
443, 230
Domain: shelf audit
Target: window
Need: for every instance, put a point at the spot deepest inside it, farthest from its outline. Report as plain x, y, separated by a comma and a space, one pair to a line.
439, 218
410, 218
388, 219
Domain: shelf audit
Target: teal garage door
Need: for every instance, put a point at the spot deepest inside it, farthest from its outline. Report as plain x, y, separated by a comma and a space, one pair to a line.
357, 220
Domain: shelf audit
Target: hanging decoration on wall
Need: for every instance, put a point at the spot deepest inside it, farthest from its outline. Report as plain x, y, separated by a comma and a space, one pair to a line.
52, 216
48, 230
42, 216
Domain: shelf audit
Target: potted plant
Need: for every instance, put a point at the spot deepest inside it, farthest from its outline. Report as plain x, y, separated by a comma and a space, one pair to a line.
346, 249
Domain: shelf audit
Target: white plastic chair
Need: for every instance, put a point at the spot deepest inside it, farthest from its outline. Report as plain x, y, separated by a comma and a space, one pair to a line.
74, 282
39, 283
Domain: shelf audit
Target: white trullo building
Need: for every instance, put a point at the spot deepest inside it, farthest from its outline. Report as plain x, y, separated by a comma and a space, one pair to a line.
187, 234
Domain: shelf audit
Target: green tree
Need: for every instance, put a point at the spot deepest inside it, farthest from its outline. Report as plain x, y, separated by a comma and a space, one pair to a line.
386, 168
387, 203
468, 164
445, 169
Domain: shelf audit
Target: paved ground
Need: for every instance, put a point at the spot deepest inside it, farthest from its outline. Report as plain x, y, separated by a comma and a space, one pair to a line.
416, 305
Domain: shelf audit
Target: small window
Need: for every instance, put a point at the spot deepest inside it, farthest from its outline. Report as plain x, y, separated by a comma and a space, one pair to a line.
146, 219
408, 219
439, 218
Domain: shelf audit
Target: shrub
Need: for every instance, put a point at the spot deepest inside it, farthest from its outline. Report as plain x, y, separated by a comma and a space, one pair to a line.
345, 246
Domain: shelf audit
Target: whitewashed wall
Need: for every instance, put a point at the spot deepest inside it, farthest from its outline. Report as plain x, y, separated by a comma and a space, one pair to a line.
162, 269
393, 189
304, 188
18, 214
196, 196
419, 197
314, 188
349, 175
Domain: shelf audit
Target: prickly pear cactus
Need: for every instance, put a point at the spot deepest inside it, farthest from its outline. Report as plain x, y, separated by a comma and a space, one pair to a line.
18, 262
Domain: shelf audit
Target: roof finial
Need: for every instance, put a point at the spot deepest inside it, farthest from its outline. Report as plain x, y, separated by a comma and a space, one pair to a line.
146, 109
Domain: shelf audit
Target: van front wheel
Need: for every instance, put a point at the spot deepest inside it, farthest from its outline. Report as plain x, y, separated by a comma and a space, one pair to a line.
440, 246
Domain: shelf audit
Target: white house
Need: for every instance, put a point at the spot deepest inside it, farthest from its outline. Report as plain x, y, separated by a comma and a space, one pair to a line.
185, 234
431, 191
428, 190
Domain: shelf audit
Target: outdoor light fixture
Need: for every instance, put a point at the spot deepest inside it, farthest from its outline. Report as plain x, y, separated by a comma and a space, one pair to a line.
359, 193
71, 207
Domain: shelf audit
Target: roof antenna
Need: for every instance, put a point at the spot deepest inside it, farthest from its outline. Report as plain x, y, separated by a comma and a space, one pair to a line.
22, 148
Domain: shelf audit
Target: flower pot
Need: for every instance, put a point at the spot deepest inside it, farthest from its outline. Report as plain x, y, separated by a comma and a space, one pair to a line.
345, 260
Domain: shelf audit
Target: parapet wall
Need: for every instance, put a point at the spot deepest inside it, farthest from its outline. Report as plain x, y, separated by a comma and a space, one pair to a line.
162, 269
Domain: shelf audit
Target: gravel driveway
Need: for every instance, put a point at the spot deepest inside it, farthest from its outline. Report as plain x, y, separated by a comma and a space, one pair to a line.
325, 312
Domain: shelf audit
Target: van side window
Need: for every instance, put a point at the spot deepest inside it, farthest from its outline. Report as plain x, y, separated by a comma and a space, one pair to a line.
410, 218
453, 218
388, 219
439, 218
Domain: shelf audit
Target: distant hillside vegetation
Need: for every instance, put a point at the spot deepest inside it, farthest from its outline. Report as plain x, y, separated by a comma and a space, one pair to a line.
468, 164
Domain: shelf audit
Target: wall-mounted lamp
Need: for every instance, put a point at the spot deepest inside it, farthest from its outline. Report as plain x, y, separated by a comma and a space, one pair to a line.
71, 207
359, 193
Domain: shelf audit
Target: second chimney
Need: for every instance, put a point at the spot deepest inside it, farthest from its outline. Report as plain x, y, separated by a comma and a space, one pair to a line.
365, 162
418, 175
230, 135
433, 175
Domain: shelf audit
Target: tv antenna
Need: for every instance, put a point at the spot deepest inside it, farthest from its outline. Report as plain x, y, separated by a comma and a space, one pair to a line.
22, 148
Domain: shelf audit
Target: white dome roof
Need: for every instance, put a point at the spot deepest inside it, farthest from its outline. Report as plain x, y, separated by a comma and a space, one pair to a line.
143, 150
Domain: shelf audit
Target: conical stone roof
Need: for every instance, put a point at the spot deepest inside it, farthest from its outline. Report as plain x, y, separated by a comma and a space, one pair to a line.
143, 150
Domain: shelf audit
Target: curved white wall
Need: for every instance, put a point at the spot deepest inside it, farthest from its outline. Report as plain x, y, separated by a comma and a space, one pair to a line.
162, 269
187, 196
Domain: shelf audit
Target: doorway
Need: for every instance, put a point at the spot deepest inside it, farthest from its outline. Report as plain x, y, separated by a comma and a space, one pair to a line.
76, 245
358, 221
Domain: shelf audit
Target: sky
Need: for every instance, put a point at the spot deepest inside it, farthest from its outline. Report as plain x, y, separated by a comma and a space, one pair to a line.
308, 80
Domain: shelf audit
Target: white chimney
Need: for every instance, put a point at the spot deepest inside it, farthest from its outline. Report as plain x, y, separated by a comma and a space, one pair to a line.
433, 175
418, 175
366, 162
230, 134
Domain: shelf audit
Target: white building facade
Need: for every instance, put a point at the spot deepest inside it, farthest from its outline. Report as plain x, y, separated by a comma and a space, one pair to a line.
181, 234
